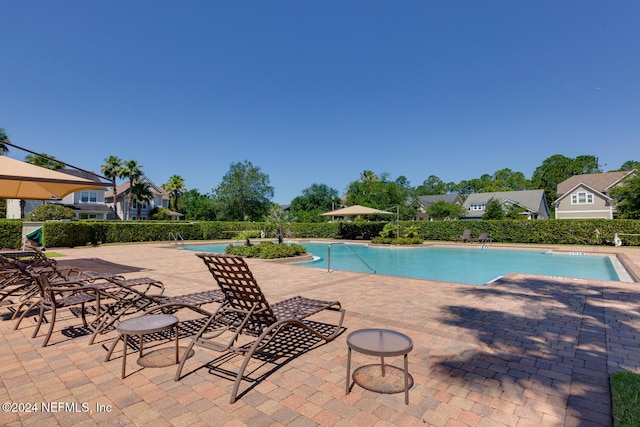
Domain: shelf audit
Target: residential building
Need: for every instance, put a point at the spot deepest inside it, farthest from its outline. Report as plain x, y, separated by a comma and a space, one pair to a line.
588, 196
532, 201
425, 201
124, 210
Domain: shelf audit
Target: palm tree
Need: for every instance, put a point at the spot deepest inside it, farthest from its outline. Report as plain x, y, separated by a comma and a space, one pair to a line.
111, 169
44, 160
141, 193
133, 171
175, 187
3, 148
368, 176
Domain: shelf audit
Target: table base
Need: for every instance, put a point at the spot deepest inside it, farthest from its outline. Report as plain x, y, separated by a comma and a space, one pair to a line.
370, 378
162, 357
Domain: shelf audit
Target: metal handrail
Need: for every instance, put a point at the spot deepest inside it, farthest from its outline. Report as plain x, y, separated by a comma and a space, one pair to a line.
350, 250
175, 237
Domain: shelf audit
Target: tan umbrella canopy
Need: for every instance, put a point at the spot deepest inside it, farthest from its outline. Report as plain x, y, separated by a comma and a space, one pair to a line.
356, 210
20, 180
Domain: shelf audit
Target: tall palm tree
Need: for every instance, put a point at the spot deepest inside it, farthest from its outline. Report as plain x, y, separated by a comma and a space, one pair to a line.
133, 171
368, 176
141, 193
3, 148
175, 187
44, 160
111, 169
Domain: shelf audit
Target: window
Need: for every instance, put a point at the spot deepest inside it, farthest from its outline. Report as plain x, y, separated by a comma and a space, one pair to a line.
89, 197
478, 207
582, 198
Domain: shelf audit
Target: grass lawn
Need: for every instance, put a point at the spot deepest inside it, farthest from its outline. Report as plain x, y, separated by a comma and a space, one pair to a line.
625, 394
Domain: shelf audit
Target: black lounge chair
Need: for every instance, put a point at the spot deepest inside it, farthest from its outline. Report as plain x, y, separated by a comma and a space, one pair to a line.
245, 312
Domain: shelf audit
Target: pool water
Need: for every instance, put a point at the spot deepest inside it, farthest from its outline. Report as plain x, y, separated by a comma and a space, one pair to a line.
470, 265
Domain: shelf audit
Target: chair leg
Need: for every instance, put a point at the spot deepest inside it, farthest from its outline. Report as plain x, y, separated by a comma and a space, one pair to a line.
51, 325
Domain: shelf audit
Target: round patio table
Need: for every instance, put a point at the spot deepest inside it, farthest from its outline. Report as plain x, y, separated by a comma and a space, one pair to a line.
381, 343
142, 325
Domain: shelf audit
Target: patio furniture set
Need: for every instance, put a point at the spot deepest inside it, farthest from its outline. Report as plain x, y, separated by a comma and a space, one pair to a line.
243, 321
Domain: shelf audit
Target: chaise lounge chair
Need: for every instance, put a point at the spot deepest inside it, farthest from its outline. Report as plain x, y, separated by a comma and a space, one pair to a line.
466, 234
245, 313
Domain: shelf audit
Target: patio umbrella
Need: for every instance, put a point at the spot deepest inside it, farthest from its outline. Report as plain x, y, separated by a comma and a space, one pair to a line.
356, 210
20, 180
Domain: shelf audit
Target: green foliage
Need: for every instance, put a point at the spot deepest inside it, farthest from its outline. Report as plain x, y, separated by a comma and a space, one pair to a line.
266, 250
625, 397
397, 241
10, 233
442, 209
628, 196
379, 193
159, 214
196, 206
277, 215
574, 232
316, 199
175, 187
51, 211
3, 208
557, 168
44, 161
244, 193
493, 210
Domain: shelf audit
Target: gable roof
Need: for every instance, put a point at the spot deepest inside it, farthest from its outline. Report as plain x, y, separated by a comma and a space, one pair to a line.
156, 190
528, 199
600, 182
426, 201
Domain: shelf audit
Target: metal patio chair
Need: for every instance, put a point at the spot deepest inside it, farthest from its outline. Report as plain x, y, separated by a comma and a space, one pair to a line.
245, 313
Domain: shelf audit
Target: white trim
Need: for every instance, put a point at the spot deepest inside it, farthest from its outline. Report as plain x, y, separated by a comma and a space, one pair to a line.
589, 211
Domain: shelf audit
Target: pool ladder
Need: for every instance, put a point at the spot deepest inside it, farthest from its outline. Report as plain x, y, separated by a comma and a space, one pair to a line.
175, 237
350, 250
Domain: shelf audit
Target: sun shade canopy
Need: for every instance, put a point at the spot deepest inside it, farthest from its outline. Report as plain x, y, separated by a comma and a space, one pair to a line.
20, 180
356, 210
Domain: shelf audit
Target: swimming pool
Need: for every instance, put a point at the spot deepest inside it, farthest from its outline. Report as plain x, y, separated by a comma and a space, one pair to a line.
461, 265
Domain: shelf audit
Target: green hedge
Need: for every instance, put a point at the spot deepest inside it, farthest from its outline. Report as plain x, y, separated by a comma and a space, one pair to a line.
10, 233
79, 233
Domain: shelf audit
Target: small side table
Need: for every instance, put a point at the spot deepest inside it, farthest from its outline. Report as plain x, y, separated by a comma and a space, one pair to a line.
141, 326
382, 343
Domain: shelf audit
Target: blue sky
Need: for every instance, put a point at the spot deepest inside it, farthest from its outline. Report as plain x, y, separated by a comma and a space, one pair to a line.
318, 91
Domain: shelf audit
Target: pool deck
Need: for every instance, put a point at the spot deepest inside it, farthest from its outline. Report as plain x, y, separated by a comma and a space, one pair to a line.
523, 351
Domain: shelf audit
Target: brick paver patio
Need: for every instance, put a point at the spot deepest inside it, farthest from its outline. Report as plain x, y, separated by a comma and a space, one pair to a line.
525, 351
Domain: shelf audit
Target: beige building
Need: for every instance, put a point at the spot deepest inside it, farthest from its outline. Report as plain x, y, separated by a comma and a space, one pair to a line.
588, 196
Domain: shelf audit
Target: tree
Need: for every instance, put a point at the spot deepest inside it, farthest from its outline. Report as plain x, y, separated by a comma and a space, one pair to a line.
175, 187
493, 210
196, 206
112, 169
557, 168
132, 171
628, 196
44, 160
316, 199
50, 212
244, 193
431, 186
381, 194
368, 176
141, 193
442, 209
630, 165
3, 138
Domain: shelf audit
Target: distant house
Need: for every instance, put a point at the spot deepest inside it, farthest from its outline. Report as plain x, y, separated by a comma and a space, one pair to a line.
87, 204
425, 201
588, 196
121, 206
533, 202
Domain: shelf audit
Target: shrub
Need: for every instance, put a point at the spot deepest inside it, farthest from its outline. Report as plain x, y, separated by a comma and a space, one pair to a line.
397, 241
51, 211
266, 250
